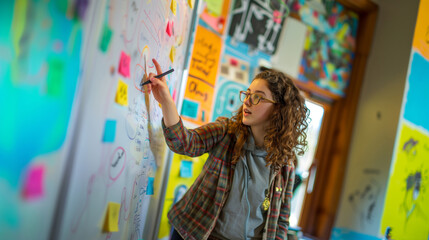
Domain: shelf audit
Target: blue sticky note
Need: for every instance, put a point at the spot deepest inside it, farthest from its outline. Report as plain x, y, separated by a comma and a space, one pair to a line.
190, 109
186, 169
109, 131
149, 189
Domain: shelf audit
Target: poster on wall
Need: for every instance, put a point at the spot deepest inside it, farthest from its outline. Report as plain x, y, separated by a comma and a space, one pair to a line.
233, 78
184, 170
215, 14
421, 31
258, 23
406, 212
199, 92
329, 46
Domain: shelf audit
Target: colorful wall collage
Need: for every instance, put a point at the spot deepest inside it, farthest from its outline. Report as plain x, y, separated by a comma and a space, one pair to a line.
329, 46
406, 211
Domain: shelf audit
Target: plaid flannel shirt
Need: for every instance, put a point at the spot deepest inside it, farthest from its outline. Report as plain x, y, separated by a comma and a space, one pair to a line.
195, 215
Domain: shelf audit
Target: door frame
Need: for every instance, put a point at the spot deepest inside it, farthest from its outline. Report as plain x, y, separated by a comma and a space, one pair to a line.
320, 206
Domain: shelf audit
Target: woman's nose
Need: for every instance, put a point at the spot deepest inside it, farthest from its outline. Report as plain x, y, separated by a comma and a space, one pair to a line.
247, 101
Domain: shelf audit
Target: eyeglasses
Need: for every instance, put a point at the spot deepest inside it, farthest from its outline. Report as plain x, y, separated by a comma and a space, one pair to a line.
254, 97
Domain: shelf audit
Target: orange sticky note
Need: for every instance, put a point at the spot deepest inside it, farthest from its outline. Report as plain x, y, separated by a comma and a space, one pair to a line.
191, 3
111, 219
124, 65
121, 97
34, 184
173, 6
172, 54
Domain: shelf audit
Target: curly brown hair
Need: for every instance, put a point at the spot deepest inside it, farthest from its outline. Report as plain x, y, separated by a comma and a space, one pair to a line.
286, 135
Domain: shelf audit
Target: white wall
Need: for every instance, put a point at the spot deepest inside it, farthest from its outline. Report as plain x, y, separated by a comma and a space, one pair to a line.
374, 133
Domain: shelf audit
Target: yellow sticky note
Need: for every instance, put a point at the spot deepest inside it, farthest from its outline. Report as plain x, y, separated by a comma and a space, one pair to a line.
112, 217
191, 3
173, 6
122, 93
172, 54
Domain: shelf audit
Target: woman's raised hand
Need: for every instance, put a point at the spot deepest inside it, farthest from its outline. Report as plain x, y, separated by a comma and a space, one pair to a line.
159, 87
160, 91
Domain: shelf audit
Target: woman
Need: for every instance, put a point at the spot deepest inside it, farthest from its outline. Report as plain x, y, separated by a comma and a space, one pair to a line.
245, 188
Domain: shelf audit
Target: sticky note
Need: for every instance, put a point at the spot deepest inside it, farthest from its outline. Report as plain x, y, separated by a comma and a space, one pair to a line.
124, 65
277, 16
121, 97
169, 28
214, 7
109, 131
55, 78
191, 3
111, 219
105, 37
190, 109
186, 169
179, 40
173, 6
149, 189
172, 54
34, 183
174, 94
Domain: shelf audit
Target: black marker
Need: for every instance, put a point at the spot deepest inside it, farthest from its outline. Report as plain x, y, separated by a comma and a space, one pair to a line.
158, 76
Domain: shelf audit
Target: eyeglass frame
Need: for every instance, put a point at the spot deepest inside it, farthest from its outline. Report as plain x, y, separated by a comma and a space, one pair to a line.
248, 94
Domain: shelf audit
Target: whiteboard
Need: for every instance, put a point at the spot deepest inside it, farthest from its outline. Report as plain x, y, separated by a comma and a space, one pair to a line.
118, 153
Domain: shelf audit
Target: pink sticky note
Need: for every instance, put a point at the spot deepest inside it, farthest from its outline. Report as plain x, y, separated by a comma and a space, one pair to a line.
277, 16
169, 29
174, 94
124, 65
33, 185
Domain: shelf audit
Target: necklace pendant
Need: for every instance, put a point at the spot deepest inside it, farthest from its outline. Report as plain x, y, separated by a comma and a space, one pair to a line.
266, 204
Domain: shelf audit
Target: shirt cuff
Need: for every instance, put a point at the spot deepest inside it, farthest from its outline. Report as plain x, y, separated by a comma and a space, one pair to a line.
169, 131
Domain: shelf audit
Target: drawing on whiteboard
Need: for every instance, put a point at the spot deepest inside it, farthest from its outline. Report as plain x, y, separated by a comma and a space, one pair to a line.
254, 23
118, 156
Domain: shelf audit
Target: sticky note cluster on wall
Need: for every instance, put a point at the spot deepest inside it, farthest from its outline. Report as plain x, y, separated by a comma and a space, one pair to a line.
111, 219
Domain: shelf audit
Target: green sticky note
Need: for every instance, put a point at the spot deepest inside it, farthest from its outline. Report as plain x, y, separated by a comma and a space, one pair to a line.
215, 7
106, 35
55, 79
